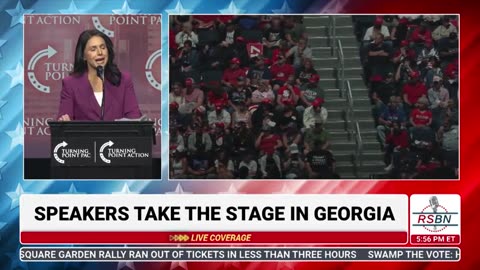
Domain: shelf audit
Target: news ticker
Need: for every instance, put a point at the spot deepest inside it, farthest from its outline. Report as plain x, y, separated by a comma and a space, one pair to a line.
254, 219
31, 254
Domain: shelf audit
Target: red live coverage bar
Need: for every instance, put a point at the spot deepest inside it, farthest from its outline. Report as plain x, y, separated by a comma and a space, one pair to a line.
213, 237
435, 239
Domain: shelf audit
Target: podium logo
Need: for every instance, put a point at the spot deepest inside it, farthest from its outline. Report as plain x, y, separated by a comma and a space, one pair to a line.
434, 217
55, 152
107, 152
61, 153
48, 52
102, 148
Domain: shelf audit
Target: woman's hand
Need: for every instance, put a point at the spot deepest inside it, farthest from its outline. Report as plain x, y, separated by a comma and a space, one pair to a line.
64, 117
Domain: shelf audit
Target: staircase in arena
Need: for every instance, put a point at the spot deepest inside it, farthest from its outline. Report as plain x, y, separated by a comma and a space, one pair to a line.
343, 137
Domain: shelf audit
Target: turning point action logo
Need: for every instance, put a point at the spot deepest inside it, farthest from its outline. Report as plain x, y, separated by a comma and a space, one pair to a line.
107, 152
102, 148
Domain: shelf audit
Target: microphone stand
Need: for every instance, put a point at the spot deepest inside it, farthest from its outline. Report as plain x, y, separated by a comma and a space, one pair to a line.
101, 74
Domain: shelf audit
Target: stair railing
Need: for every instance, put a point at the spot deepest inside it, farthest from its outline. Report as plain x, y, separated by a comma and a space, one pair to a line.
332, 33
341, 69
359, 148
350, 118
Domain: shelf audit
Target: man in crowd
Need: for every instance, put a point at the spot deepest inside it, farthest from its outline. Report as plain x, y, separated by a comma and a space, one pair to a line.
413, 90
421, 120
317, 134
231, 74
393, 113
314, 113
311, 91
438, 98
444, 30
320, 163
379, 54
219, 115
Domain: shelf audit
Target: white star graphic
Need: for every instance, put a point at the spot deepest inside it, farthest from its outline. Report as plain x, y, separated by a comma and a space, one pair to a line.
284, 9
72, 9
17, 14
15, 258
2, 42
178, 190
16, 136
16, 75
2, 103
125, 10
125, 265
2, 164
231, 190
15, 196
334, 6
231, 9
179, 9
125, 190
72, 190
178, 266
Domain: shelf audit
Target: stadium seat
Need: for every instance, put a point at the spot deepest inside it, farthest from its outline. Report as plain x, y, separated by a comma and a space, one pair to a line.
208, 37
212, 77
252, 35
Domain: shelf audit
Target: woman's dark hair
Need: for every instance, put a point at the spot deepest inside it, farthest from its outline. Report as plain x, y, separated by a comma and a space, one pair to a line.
112, 73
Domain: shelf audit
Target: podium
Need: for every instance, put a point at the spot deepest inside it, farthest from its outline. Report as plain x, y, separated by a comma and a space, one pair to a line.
101, 150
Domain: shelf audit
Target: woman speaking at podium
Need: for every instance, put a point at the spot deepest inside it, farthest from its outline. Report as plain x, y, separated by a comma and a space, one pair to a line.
96, 89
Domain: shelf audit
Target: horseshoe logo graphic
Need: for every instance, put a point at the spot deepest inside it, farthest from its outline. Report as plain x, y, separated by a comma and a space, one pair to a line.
148, 69
49, 52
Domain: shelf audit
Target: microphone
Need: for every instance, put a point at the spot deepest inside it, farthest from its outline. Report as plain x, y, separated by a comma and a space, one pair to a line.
101, 75
434, 205
100, 72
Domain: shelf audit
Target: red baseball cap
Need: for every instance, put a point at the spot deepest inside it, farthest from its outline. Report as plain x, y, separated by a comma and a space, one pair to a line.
235, 60
174, 106
451, 73
314, 78
378, 20
317, 102
189, 81
404, 43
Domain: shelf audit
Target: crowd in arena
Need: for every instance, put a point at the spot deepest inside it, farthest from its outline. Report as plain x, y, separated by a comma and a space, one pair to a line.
411, 67
238, 114
235, 114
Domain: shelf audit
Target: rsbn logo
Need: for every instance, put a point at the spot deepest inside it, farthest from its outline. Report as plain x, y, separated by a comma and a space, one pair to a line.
434, 217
